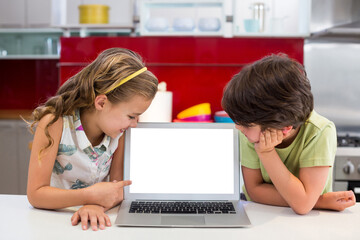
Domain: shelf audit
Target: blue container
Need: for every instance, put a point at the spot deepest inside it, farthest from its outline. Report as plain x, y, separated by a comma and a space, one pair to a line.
221, 119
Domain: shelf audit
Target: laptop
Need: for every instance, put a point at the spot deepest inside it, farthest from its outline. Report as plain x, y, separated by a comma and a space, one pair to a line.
183, 175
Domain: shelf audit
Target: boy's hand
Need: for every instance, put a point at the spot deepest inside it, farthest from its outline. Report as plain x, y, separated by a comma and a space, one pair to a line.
93, 213
268, 140
106, 194
336, 200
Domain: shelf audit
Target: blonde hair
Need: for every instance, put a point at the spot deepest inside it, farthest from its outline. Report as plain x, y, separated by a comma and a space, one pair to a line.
80, 91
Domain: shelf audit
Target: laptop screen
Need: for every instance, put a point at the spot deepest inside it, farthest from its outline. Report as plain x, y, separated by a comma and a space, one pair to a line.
186, 161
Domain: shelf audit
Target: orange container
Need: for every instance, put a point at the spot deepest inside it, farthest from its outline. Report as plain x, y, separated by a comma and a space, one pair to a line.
94, 14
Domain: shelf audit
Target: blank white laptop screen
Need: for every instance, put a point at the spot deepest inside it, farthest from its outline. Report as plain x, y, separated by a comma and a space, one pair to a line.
182, 161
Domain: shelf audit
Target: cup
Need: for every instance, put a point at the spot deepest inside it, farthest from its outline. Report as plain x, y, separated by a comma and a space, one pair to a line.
251, 25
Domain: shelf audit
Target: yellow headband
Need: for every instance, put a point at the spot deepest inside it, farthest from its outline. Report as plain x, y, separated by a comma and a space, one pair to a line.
131, 76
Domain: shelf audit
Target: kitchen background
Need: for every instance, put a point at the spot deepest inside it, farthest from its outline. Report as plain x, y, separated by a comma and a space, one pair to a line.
193, 46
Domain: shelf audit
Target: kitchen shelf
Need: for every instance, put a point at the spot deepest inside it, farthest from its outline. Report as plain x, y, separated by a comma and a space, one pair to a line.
85, 30
289, 18
30, 43
182, 17
30, 56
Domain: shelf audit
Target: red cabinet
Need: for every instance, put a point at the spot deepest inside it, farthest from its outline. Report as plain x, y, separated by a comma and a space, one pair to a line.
196, 69
24, 84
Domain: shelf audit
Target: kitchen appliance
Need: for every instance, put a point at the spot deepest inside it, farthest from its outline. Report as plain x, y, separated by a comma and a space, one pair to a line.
332, 62
333, 68
347, 164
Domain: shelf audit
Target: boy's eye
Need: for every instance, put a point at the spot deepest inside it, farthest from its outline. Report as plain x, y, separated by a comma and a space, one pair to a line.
131, 117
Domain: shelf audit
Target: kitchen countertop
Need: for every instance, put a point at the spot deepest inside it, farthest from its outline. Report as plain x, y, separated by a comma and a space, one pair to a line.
15, 113
21, 221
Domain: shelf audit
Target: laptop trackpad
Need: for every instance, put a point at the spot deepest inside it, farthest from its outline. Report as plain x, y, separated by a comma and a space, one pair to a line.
182, 220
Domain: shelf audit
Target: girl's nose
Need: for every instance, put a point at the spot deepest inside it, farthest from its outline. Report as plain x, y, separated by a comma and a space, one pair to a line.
134, 122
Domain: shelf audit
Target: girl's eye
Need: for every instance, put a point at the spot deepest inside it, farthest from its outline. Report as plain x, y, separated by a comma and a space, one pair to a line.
131, 117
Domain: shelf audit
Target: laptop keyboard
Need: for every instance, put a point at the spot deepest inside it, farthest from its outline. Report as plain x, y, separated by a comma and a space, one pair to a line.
182, 207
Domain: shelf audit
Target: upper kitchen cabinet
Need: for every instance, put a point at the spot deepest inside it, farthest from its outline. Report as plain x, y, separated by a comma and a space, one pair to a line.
12, 13
272, 18
182, 17
119, 15
25, 13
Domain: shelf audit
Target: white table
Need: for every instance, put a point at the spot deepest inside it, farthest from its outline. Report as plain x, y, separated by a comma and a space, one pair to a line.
19, 220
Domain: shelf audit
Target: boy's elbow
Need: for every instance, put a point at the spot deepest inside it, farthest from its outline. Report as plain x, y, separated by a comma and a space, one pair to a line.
301, 209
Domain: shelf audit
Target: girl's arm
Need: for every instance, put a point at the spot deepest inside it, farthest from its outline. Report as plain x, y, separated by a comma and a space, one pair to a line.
96, 214
39, 191
117, 164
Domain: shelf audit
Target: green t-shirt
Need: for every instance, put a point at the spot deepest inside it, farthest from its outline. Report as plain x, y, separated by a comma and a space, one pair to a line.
315, 145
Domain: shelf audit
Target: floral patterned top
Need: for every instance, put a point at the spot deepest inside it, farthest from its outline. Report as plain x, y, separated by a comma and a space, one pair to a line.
79, 164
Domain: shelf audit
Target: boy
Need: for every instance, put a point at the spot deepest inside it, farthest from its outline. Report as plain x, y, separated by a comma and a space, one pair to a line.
287, 149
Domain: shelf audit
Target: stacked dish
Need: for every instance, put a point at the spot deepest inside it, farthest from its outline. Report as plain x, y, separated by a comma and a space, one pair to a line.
197, 113
222, 117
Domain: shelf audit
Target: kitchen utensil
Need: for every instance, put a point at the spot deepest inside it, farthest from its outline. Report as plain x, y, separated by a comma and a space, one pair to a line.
94, 14
200, 109
258, 10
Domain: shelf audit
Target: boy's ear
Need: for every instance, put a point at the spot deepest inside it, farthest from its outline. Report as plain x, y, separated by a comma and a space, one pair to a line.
100, 101
287, 129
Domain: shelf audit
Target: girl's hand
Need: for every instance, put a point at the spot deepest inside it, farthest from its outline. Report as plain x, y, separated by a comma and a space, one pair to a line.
268, 140
93, 213
338, 201
106, 194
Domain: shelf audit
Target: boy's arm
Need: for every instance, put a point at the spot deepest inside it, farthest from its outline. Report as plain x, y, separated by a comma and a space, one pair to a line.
300, 193
267, 194
258, 190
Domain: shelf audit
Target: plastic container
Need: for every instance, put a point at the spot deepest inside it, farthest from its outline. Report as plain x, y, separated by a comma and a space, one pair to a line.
197, 118
222, 117
200, 109
94, 14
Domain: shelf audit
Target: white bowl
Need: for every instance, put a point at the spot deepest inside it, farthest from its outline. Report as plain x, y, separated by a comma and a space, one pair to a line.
157, 24
209, 24
183, 24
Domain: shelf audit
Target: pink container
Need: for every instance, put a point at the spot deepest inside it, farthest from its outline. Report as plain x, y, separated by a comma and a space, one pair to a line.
197, 118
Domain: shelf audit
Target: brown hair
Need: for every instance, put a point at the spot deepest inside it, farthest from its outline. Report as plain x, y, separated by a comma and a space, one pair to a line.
273, 92
80, 91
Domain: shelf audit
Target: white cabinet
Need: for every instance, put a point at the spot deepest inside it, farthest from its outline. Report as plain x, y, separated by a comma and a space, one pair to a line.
25, 13
9, 179
65, 13
15, 155
38, 13
12, 13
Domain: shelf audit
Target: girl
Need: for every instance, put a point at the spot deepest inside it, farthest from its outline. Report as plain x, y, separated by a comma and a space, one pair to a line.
78, 143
